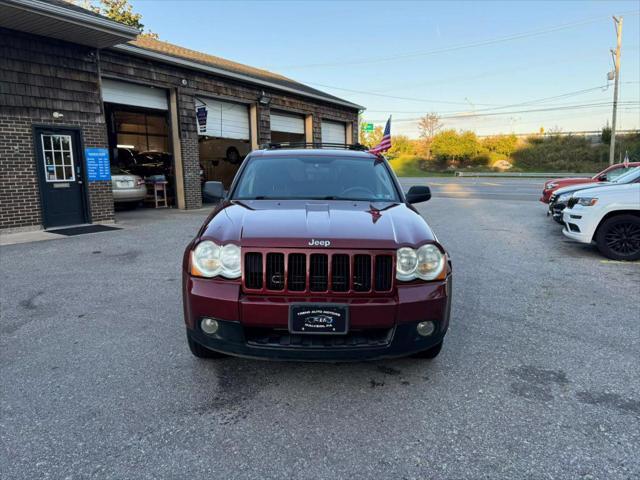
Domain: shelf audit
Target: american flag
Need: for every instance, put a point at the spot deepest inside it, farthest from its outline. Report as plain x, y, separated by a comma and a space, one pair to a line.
385, 143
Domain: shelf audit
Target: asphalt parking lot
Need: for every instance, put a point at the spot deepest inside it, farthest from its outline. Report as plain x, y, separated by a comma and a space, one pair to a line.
539, 376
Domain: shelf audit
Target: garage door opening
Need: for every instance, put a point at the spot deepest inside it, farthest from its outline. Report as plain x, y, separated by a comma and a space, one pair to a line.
286, 127
224, 138
141, 155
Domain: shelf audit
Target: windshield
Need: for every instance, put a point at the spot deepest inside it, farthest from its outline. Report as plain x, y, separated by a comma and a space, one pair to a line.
631, 176
325, 178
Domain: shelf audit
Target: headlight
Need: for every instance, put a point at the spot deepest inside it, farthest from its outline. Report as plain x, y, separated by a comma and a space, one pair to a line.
564, 198
586, 201
426, 263
550, 185
210, 260
230, 258
406, 263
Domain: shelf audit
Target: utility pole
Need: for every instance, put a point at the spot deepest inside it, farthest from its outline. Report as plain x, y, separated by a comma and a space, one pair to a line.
612, 147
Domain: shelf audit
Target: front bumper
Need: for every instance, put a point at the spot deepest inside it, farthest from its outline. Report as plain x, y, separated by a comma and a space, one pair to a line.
231, 339
129, 194
240, 316
555, 211
578, 224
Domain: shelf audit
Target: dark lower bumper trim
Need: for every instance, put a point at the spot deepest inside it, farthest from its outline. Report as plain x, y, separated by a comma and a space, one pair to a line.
230, 340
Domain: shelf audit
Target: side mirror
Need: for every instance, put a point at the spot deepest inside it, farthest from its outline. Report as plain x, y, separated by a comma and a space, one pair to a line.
213, 191
417, 194
603, 177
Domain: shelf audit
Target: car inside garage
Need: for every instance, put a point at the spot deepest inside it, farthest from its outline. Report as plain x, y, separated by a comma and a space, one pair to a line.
287, 127
224, 138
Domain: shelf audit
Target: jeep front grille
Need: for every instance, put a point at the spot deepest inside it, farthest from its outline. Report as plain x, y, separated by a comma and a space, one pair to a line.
314, 271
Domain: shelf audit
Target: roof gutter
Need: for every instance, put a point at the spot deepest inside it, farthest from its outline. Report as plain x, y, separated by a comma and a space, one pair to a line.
73, 16
141, 52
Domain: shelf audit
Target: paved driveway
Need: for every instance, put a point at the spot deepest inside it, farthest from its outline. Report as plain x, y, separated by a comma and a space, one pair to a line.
539, 377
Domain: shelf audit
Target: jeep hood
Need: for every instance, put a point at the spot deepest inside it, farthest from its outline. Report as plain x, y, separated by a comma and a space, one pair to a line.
296, 223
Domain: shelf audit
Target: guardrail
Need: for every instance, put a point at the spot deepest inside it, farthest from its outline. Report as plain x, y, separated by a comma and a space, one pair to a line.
523, 174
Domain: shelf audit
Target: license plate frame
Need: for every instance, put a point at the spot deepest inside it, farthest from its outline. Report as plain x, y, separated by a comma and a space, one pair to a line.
313, 318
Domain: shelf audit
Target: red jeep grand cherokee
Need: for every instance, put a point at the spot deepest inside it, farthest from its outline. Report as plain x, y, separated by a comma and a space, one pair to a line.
316, 254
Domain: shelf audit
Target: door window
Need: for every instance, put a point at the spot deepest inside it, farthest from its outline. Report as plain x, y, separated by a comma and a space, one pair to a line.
58, 158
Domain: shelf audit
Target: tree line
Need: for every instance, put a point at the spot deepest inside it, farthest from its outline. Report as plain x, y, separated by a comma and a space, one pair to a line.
441, 149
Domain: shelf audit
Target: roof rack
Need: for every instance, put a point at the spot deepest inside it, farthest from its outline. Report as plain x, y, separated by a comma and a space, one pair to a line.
345, 146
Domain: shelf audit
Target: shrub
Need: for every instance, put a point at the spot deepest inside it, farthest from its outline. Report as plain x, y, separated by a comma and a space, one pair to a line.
560, 153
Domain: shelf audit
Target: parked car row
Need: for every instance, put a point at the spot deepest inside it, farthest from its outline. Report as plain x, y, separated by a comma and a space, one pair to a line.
604, 209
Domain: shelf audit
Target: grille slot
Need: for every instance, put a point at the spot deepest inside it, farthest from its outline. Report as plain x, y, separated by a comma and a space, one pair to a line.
275, 271
361, 273
340, 273
297, 272
253, 269
384, 270
319, 273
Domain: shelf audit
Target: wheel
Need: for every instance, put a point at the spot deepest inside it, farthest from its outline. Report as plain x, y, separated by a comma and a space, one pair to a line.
202, 352
618, 237
430, 353
233, 156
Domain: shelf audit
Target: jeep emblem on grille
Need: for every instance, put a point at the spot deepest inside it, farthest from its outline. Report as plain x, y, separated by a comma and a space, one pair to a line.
319, 243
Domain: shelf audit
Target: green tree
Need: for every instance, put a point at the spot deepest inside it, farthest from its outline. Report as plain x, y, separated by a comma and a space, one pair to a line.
117, 10
501, 144
370, 139
452, 147
605, 136
401, 145
428, 126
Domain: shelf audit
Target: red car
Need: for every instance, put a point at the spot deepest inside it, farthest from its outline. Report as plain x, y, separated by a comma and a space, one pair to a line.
608, 174
316, 255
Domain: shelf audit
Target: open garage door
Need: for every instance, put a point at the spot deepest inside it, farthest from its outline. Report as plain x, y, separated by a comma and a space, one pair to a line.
141, 153
334, 132
125, 93
224, 137
286, 127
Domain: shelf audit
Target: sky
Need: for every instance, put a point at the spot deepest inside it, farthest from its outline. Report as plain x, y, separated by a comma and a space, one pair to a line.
481, 65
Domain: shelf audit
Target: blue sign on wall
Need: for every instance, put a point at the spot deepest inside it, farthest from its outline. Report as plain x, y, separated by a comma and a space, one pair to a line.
98, 168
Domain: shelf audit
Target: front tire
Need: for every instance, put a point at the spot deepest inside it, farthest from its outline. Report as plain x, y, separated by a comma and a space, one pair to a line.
202, 352
618, 238
431, 353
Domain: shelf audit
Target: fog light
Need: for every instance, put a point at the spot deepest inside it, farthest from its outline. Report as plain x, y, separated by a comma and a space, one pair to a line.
209, 326
425, 328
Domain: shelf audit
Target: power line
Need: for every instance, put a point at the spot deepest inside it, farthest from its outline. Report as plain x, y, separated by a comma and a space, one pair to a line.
631, 104
496, 72
482, 43
395, 97
495, 106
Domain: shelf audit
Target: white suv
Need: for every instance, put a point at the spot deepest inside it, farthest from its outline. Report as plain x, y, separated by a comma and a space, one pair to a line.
609, 216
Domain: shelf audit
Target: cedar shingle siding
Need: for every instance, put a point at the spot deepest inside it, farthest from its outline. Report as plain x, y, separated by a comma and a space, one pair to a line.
41, 75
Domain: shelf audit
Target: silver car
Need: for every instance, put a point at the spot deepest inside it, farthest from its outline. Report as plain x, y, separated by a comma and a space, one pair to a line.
127, 188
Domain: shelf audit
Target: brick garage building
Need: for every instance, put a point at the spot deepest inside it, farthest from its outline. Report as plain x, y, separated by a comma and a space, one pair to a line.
71, 80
